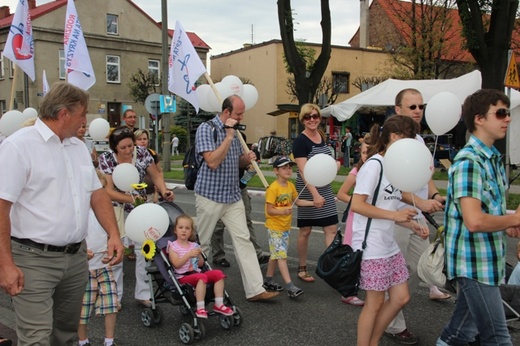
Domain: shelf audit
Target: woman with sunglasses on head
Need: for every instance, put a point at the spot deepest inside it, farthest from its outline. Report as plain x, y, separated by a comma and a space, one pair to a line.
324, 213
123, 150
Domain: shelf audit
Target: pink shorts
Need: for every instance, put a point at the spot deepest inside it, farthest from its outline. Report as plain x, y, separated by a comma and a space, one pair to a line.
382, 273
208, 277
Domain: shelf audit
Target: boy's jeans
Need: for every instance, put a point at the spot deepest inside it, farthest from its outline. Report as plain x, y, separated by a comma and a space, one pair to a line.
478, 311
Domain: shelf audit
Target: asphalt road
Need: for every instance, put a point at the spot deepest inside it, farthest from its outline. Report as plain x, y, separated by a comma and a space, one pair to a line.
315, 318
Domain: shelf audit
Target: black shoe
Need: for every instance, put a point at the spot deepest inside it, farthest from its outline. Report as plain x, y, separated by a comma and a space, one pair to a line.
263, 259
222, 263
272, 286
294, 292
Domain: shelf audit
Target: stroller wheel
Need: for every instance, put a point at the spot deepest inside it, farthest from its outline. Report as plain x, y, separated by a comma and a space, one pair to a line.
237, 317
148, 318
186, 333
226, 322
200, 331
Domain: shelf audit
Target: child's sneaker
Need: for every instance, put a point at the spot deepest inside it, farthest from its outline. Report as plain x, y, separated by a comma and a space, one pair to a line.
201, 313
272, 286
224, 310
294, 292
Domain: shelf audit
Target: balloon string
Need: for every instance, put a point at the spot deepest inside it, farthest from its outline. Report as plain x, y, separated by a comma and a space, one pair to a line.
298, 195
435, 147
419, 220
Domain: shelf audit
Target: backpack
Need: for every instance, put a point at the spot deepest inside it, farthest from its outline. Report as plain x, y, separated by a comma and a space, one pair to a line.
191, 162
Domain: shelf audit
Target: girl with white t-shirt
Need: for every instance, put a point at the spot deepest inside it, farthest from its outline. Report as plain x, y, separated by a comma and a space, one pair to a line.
383, 267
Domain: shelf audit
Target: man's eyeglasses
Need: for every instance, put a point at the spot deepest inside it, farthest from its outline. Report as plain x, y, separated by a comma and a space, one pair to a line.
414, 107
309, 116
501, 113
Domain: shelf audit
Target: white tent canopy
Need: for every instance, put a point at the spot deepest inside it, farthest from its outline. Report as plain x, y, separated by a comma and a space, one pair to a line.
384, 94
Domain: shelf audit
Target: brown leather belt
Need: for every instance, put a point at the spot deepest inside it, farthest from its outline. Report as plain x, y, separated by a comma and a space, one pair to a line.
70, 248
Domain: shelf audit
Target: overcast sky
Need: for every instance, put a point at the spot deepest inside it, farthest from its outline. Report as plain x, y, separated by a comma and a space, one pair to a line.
225, 25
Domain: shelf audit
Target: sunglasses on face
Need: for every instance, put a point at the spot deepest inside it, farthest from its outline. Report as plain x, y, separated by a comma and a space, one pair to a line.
309, 116
121, 131
414, 107
501, 113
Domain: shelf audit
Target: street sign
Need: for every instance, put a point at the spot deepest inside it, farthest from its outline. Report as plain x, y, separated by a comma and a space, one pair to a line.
168, 104
512, 80
152, 104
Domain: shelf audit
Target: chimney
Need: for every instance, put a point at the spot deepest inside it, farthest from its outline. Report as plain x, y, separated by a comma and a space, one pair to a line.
32, 4
364, 24
4, 12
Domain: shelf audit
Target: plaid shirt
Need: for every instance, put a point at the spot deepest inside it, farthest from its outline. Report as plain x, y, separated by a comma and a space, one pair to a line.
479, 173
219, 185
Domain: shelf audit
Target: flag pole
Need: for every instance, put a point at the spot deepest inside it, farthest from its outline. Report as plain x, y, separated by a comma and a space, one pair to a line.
239, 135
13, 86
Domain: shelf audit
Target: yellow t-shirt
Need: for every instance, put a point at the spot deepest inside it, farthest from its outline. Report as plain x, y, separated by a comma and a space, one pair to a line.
281, 197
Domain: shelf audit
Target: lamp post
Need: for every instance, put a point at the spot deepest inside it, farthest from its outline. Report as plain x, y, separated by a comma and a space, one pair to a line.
164, 82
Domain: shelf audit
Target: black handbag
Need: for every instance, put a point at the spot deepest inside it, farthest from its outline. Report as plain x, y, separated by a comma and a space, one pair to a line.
340, 266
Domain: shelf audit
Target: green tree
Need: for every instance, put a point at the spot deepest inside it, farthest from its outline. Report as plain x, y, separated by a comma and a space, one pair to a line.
488, 26
306, 77
142, 84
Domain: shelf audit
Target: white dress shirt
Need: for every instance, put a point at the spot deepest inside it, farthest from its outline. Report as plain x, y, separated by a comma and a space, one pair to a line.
49, 182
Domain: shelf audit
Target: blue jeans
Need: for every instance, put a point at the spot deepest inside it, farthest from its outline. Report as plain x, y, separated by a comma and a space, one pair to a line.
478, 311
346, 157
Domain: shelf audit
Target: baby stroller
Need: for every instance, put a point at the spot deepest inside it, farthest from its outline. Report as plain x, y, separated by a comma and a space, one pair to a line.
168, 289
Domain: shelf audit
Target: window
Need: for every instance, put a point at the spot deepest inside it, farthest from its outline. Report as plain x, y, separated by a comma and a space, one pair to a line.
341, 81
113, 70
3, 107
11, 69
112, 24
2, 72
154, 70
61, 58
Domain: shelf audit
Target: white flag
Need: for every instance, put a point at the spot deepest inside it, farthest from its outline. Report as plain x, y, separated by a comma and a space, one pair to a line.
77, 61
45, 83
19, 47
185, 67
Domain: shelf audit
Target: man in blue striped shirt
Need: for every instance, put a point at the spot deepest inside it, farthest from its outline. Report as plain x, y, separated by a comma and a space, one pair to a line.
476, 225
217, 192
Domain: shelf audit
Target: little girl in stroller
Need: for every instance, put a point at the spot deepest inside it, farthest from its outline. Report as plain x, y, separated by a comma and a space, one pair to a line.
186, 256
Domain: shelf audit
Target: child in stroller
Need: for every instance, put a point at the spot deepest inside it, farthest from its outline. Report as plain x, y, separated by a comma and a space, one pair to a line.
186, 256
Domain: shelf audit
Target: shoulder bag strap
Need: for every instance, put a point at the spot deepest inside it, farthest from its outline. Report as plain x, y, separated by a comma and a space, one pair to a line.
374, 200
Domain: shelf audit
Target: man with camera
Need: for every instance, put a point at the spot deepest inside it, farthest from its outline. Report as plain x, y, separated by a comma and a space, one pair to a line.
217, 192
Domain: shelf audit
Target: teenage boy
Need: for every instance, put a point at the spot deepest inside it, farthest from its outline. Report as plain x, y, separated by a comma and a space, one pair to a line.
476, 224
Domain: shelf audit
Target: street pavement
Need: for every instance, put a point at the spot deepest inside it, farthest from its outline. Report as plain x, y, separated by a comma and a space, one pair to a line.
315, 318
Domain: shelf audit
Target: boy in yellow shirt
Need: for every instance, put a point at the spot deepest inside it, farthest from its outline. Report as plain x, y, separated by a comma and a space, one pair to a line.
279, 199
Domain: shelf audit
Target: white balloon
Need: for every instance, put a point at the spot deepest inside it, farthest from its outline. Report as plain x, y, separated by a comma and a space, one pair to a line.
250, 96
320, 170
98, 129
443, 112
203, 93
215, 103
408, 165
30, 113
234, 83
11, 122
147, 221
124, 175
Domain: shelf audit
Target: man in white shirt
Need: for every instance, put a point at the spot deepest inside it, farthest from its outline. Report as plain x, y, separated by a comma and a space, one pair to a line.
48, 186
175, 145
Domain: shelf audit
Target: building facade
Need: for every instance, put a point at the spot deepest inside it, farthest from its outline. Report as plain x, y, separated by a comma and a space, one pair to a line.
263, 65
120, 38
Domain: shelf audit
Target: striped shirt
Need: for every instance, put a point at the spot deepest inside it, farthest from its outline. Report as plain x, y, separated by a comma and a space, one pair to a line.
304, 147
478, 173
219, 185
